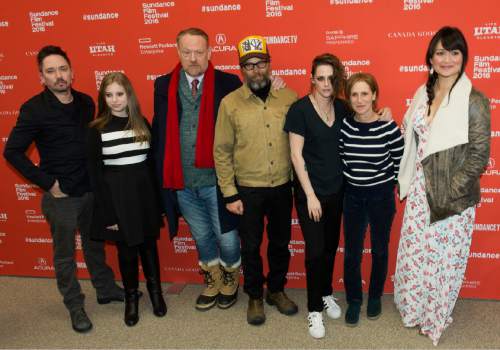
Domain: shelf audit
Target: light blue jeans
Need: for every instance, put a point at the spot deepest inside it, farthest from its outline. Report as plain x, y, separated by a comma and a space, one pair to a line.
200, 209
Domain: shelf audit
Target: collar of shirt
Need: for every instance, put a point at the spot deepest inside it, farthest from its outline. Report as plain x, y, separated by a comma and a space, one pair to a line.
190, 79
248, 93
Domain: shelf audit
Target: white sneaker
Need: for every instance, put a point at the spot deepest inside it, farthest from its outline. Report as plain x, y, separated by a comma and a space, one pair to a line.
316, 326
331, 307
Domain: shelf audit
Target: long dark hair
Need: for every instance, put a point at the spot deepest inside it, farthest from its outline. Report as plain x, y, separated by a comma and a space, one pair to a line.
136, 119
339, 75
451, 38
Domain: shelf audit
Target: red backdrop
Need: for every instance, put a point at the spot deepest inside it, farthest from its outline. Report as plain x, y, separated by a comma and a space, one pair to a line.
385, 37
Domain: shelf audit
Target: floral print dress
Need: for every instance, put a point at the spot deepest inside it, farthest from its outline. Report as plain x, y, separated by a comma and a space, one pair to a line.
431, 258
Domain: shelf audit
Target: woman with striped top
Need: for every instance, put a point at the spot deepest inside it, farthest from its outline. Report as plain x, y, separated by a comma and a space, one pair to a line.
371, 151
126, 204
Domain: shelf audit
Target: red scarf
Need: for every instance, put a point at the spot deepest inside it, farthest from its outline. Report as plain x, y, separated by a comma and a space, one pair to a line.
172, 164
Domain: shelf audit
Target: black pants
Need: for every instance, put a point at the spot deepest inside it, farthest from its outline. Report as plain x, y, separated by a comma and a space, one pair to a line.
376, 208
128, 258
65, 216
322, 240
275, 204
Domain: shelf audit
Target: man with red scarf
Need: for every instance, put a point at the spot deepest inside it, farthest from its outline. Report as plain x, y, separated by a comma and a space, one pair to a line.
186, 102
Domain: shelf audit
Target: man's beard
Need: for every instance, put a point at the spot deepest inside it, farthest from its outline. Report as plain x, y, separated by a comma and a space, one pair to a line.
259, 84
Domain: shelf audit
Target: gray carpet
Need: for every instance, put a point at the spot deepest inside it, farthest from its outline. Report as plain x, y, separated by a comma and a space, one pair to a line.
32, 316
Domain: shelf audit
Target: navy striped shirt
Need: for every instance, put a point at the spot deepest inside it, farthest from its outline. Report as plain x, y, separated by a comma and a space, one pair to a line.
370, 152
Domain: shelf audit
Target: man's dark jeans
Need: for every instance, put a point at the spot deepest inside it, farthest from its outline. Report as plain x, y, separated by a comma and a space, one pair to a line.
65, 216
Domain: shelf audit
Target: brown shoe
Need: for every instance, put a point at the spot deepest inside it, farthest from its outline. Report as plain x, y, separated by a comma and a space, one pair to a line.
282, 302
255, 312
208, 298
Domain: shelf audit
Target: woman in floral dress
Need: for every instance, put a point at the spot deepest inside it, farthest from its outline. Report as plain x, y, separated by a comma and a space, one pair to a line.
447, 143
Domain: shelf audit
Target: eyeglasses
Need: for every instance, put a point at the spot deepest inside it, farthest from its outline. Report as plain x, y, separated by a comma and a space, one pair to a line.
189, 54
251, 66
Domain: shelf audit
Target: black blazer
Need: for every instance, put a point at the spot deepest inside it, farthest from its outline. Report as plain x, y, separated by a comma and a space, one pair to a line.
224, 84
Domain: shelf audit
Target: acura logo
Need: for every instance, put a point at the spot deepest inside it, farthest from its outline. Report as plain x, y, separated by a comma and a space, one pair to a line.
220, 39
491, 164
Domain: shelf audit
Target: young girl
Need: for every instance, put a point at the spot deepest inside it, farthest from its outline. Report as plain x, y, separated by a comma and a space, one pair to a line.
126, 206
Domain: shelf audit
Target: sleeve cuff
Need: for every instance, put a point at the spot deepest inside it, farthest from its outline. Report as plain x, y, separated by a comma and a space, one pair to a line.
231, 199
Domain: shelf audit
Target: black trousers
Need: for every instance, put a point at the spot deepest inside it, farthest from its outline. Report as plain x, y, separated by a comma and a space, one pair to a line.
322, 240
275, 205
360, 209
65, 216
128, 258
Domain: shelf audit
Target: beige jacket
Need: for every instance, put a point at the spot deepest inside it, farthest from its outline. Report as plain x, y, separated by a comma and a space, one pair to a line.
250, 147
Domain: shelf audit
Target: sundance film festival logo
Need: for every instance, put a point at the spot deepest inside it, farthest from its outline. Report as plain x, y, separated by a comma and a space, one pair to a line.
148, 47
40, 21
274, 8
6, 83
25, 192
102, 49
485, 255
42, 264
484, 66
102, 16
182, 245
415, 5
155, 12
221, 41
38, 240
487, 32
99, 75
296, 247
33, 217
221, 8
340, 37
355, 65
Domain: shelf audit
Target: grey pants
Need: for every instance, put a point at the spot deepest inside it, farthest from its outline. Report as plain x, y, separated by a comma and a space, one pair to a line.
65, 216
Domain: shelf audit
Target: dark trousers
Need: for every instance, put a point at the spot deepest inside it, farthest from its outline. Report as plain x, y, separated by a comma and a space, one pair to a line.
65, 216
322, 240
361, 208
128, 258
274, 204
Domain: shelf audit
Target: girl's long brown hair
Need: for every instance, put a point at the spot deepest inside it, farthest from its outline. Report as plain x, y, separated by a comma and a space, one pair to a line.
136, 119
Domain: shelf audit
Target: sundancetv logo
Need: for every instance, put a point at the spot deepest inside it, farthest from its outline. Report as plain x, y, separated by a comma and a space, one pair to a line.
282, 39
276, 8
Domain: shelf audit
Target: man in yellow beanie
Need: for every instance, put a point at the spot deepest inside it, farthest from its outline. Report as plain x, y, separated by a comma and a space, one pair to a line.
252, 162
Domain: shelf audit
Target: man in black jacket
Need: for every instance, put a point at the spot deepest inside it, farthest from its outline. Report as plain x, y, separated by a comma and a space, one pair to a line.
56, 120
186, 102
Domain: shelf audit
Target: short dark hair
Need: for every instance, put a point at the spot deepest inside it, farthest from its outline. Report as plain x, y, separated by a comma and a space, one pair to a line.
50, 50
192, 31
339, 75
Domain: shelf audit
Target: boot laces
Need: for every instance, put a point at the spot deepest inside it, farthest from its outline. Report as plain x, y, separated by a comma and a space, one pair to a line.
228, 277
207, 276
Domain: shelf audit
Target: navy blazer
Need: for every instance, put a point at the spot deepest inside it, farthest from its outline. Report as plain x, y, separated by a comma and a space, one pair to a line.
224, 84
